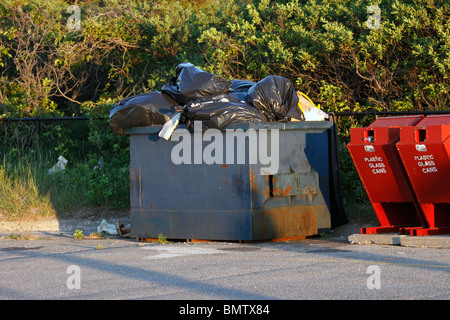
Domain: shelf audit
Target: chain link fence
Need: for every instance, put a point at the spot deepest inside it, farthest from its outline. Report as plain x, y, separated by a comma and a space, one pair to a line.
19, 136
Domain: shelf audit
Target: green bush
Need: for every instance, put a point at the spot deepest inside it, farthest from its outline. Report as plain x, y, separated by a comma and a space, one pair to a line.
327, 48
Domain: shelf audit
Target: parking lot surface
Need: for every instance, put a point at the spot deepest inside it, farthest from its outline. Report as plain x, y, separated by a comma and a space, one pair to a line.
57, 266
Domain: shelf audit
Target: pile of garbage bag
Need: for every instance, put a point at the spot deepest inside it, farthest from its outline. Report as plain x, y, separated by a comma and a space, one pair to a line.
145, 109
193, 94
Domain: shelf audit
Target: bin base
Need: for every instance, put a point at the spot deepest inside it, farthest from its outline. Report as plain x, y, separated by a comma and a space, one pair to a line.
378, 230
429, 231
412, 231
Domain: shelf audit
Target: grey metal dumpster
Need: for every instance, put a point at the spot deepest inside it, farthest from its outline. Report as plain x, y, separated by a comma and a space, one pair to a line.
234, 198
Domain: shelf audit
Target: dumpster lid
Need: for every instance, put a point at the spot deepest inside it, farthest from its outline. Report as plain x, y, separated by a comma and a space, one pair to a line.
293, 125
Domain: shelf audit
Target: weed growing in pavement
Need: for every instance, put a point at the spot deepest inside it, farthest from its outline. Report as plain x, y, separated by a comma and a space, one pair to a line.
161, 238
78, 234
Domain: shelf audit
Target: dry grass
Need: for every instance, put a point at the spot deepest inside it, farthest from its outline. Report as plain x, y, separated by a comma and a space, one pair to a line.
20, 197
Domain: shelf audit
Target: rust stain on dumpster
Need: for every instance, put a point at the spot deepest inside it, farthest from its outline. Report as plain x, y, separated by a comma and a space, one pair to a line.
286, 222
253, 187
281, 193
136, 185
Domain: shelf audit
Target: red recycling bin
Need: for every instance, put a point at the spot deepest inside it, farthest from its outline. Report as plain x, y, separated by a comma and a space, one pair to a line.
376, 158
425, 152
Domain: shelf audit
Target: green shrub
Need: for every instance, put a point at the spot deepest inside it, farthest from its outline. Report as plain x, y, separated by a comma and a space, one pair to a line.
327, 48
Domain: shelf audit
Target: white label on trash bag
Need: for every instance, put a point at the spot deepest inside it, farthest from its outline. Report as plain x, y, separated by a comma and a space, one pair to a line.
169, 126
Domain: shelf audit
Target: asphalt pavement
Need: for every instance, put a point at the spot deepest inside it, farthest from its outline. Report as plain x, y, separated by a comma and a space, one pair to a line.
55, 266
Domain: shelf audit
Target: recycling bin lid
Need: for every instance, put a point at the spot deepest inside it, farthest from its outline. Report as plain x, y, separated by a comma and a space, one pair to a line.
435, 120
400, 121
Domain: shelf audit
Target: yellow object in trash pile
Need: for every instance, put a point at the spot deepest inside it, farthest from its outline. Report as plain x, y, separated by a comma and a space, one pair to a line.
304, 102
309, 110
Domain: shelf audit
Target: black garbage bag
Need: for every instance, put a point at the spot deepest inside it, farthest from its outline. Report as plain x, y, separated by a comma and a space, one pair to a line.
239, 88
147, 109
275, 97
241, 85
191, 83
220, 111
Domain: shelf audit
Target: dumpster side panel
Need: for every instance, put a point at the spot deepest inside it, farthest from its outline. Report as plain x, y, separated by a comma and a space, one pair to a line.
186, 200
230, 201
221, 225
302, 154
159, 184
295, 201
